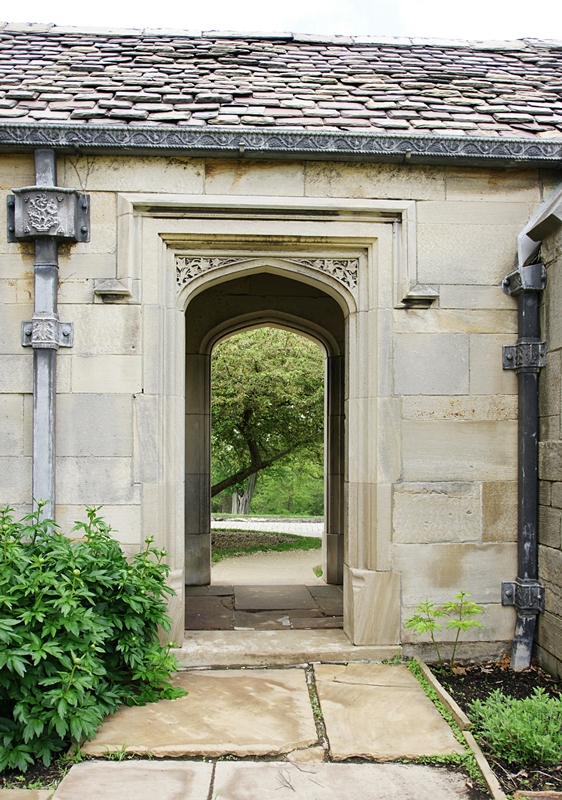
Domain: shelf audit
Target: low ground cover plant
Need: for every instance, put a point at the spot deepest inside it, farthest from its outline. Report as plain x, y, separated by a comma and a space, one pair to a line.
460, 610
229, 542
78, 634
524, 731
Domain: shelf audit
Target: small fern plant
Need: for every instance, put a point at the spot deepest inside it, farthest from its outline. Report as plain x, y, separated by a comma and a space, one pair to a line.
461, 609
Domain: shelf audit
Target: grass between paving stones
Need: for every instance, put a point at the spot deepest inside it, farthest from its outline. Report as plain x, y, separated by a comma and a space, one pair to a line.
317, 709
467, 760
227, 543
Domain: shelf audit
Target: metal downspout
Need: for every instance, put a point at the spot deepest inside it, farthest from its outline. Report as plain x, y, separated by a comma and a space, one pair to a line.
46, 214
526, 357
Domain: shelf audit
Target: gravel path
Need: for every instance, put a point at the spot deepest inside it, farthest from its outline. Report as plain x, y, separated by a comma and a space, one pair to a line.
297, 527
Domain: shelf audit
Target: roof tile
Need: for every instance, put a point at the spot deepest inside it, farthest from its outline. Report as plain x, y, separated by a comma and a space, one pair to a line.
164, 76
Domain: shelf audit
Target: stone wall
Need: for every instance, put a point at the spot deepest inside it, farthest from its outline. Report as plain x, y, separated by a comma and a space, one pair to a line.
435, 508
549, 634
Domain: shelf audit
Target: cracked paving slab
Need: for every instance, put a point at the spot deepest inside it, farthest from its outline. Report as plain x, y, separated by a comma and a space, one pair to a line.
242, 712
380, 711
251, 781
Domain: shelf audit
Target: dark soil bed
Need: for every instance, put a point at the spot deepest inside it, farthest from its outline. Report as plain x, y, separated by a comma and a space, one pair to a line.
37, 775
476, 682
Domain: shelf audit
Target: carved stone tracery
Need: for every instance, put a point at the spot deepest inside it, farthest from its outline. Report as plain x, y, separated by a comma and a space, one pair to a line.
343, 270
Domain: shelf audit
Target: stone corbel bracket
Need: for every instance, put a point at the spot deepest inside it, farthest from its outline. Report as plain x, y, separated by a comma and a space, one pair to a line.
420, 296
111, 291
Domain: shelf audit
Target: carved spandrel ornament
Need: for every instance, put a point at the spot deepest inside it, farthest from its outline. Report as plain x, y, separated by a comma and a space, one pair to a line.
343, 270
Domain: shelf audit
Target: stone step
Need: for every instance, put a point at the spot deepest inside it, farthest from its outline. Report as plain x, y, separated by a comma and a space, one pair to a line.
274, 647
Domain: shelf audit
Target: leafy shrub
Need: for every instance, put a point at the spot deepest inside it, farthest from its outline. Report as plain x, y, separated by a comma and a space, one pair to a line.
524, 732
78, 634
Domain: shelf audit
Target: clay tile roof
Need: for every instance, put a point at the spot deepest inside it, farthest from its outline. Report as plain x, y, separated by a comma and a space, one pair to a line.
280, 81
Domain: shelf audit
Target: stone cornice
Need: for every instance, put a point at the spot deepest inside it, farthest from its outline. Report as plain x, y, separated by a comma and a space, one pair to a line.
275, 143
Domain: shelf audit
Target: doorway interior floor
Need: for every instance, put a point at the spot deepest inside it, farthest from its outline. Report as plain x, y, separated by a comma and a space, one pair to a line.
263, 607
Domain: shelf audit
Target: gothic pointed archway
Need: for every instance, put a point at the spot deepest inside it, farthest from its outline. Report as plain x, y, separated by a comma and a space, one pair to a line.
260, 297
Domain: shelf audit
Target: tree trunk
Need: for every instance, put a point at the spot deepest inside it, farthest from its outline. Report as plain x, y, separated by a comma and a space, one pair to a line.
246, 498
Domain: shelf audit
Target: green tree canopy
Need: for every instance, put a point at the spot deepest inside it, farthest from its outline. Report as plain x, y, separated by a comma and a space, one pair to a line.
267, 403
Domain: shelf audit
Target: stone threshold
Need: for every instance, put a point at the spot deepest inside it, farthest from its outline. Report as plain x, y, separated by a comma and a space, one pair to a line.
275, 648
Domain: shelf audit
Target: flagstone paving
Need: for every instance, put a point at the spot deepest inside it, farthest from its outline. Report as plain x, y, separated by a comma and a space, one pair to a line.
380, 711
263, 607
243, 780
247, 781
137, 780
243, 712
369, 710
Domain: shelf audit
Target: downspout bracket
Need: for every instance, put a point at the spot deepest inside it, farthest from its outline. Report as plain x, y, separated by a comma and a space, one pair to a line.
524, 356
47, 332
526, 595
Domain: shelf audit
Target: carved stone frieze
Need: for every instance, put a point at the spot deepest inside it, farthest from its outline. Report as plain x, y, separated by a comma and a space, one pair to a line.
343, 270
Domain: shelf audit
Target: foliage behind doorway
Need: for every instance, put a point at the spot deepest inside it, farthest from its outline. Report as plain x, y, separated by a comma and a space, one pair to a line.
267, 423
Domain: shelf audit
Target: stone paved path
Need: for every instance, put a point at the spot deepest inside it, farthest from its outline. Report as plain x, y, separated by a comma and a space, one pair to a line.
184, 780
303, 720
269, 607
298, 527
291, 566
369, 710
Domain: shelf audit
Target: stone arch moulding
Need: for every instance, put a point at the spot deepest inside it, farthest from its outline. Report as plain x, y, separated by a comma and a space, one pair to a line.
361, 254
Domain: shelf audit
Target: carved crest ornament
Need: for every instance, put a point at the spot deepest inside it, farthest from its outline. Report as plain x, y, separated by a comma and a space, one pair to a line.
42, 212
343, 270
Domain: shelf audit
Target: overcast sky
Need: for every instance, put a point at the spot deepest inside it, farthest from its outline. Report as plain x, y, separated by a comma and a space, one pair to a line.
471, 19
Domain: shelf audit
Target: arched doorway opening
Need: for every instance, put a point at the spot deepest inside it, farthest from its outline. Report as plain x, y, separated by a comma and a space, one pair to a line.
260, 297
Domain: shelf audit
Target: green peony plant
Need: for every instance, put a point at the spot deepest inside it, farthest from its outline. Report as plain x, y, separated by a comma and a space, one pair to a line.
525, 732
78, 634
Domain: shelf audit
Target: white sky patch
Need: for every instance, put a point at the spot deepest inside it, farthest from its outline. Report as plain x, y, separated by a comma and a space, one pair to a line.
482, 19
476, 19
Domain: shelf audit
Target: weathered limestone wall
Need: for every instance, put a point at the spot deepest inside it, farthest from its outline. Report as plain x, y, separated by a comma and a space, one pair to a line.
446, 429
549, 634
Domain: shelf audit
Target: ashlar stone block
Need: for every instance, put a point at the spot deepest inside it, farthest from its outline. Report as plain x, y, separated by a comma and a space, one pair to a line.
11, 425
15, 486
478, 254
104, 329
550, 526
124, 520
107, 374
173, 175
550, 460
94, 425
460, 296
437, 512
444, 450
489, 185
438, 571
95, 481
17, 169
499, 511
467, 212
247, 177
487, 375
431, 364
476, 408
384, 181
371, 606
